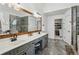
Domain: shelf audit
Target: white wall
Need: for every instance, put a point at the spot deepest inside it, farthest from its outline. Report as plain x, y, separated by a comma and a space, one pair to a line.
44, 22
66, 25
50, 27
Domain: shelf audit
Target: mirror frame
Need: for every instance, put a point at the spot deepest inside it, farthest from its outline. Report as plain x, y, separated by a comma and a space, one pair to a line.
16, 34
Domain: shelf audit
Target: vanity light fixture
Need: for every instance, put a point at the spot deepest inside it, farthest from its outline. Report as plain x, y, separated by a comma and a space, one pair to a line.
24, 10
18, 7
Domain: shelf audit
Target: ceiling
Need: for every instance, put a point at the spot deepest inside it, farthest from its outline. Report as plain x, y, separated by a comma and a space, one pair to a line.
46, 8
57, 12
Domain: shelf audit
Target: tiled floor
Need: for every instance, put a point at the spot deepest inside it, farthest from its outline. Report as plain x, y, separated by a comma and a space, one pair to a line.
57, 47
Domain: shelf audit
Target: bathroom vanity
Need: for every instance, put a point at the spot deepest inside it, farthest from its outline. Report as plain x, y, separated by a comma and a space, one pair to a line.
22, 34
24, 45
17, 33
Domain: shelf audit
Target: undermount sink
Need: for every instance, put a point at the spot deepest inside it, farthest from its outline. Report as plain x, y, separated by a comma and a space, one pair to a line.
7, 41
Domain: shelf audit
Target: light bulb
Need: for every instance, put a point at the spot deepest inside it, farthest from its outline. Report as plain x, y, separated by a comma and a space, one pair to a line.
36, 15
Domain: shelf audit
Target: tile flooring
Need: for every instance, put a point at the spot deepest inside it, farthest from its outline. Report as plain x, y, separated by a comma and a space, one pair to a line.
57, 47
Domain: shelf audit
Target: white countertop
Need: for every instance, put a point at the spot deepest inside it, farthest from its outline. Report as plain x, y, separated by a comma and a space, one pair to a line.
6, 44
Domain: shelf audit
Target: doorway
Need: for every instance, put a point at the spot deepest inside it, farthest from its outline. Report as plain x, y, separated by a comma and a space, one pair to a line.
58, 28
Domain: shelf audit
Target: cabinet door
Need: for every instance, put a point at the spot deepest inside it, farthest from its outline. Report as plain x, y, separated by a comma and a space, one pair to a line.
31, 50
44, 41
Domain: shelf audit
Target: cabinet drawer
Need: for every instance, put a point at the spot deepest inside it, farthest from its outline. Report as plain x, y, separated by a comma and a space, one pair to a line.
31, 50
35, 41
21, 48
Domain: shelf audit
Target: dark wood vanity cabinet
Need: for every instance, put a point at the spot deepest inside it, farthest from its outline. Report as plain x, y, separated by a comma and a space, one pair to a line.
30, 47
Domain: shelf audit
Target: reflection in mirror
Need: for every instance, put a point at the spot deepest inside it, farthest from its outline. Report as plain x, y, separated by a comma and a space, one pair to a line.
13, 23
24, 24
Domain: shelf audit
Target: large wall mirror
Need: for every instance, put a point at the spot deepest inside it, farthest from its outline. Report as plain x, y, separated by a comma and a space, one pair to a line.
24, 24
